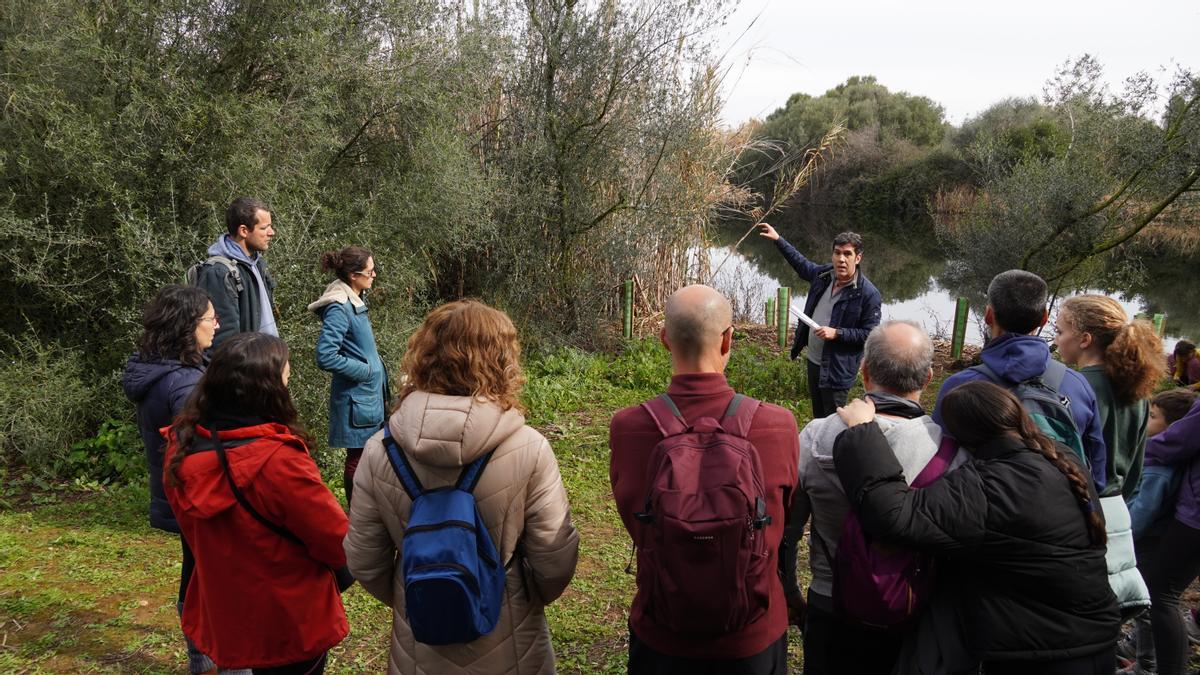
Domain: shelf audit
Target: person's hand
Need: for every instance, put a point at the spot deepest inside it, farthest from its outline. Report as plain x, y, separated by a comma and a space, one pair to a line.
858, 411
765, 230
826, 333
797, 610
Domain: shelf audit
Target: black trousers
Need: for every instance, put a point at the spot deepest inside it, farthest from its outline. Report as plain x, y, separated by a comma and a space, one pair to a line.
825, 402
353, 455
1174, 565
645, 661
835, 647
1103, 663
313, 667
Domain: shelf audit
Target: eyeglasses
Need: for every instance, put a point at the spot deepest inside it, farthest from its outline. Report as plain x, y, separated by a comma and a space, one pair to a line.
210, 319
367, 273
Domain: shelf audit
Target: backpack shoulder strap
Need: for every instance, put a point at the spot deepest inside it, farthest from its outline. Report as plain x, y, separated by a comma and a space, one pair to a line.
990, 374
937, 465
241, 498
471, 473
399, 462
739, 415
1054, 375
231, 265
666, 416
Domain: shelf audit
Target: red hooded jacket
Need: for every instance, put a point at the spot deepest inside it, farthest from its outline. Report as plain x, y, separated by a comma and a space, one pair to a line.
257, 599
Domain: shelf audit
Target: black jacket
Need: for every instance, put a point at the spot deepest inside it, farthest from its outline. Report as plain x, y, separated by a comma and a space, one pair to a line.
159, 388
238, 312
1013, 538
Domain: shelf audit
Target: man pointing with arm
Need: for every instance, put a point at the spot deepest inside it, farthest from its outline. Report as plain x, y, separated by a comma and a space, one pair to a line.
845, 304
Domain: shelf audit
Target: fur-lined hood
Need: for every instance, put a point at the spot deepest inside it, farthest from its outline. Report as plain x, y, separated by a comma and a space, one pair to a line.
336, 292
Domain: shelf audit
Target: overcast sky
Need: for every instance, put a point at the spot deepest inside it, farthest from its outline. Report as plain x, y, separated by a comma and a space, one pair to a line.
963, 54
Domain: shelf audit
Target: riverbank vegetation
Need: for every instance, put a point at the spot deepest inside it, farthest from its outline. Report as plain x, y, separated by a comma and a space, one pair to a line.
1052, 185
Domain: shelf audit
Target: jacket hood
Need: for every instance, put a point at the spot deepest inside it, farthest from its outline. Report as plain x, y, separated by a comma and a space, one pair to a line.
141, 376
203, 491
450, 431
1016, 358
227, 247
335, 293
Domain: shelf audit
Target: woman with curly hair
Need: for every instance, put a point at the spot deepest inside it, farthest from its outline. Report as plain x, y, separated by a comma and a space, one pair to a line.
266, 532
1122, 360
177, 326
461, 401
346, 349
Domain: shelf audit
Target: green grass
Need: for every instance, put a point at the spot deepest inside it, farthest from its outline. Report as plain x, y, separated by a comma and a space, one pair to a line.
87, 586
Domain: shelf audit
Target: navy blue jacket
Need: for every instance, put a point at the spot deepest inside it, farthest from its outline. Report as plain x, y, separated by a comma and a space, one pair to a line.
856, 310
1017, 358
159, 388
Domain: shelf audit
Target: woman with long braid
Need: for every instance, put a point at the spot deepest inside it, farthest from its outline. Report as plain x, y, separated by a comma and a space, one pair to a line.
1018, 531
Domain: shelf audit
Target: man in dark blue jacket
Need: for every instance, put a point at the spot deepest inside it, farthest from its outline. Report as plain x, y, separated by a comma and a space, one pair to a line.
1016, 311
845, 304
235, 274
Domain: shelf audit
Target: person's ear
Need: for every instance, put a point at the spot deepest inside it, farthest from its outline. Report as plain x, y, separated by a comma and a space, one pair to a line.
662, 337
866, 375
928, 378
243, 231
1045, 318
727, 341
989, 316
1086, 341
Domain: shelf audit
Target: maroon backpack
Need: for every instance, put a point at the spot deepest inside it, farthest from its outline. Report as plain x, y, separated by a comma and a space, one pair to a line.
702, 553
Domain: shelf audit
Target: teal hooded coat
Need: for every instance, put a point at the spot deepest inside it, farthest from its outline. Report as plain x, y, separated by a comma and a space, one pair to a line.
346, 349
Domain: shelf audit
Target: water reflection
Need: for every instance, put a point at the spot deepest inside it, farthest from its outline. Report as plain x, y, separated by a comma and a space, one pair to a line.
903, 259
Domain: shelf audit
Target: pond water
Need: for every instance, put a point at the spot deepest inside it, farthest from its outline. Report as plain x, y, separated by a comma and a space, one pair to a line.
906, 263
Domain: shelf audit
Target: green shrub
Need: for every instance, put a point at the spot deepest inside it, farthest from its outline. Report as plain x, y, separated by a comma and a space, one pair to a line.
113, 455
46, 404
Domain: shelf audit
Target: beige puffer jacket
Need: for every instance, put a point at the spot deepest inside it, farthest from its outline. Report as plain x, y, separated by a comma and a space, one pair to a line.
520, 497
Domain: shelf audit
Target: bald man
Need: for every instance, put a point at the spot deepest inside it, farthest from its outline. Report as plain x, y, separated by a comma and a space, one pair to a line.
897, 366
698, 333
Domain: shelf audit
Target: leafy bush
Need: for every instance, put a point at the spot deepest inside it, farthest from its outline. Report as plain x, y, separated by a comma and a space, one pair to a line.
114, 455
45, 404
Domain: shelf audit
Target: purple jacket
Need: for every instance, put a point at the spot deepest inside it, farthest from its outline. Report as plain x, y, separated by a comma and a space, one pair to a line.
1179, 446
1017, 358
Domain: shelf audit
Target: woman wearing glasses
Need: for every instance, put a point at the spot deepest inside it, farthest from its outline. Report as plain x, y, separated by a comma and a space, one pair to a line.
346, 349
177, 327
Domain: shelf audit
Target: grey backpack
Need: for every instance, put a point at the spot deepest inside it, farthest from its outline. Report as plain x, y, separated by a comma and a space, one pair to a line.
192, 276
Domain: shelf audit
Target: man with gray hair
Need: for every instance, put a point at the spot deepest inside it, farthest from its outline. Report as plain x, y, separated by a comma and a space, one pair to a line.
897, 366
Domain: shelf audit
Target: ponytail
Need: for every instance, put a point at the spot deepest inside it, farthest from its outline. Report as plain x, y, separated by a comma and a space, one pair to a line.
1132, 351
345, 262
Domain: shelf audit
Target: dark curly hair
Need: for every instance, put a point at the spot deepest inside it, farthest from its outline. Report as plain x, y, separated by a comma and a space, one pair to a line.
169, 325
245, 377
345, 262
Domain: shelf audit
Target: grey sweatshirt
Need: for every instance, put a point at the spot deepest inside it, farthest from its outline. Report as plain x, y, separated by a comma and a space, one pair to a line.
915, 441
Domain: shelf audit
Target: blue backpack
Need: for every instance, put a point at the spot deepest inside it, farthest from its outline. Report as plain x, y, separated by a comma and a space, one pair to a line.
1042, 398
453, 579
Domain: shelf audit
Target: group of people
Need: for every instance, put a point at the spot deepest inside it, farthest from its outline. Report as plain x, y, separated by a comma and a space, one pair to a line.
1014, 518
266, 547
